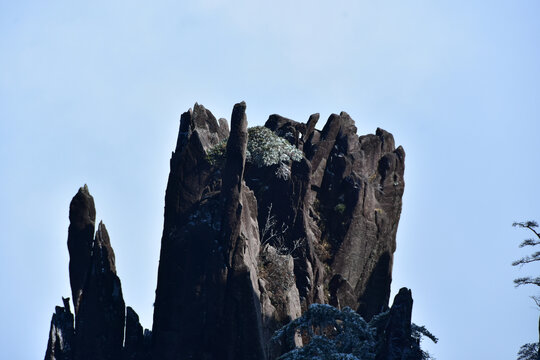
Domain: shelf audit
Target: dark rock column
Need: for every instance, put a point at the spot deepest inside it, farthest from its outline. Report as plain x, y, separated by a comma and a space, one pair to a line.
98, 332
398, 343
233, 175
100, 321
310, 128
135, 347
192, 271
61, 334
82, 217
242, 323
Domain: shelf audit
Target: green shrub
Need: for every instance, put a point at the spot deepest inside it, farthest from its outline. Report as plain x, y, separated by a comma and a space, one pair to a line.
264, 148
216, 154
340, 208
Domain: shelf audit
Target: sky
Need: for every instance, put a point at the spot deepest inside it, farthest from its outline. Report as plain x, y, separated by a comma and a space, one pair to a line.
92, 93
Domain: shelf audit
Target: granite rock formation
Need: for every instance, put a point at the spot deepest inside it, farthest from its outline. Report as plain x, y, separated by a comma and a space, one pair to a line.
96, 332
340, 207
245, 248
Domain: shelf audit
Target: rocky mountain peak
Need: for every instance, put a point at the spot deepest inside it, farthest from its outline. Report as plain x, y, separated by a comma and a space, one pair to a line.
259, 224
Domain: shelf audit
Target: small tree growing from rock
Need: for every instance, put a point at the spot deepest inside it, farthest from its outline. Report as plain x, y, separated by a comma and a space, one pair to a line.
530, 351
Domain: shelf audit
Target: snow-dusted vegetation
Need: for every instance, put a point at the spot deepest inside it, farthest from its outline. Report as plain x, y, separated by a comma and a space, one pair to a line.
264, 148
328, 333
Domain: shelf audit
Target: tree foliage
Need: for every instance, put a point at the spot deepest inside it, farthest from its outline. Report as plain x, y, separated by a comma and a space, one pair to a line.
419, 331
264, 148
529, 351
333, 334
329, 333
528, 280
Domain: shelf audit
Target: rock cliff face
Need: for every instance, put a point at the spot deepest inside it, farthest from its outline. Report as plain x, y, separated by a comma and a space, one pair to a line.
246, 247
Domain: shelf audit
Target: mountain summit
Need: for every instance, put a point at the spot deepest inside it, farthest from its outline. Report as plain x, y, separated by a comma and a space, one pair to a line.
260, 223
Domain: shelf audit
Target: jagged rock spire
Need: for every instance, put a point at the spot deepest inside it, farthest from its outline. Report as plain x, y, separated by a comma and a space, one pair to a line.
96, 332
233, 176
99, 324
82, 220
245, 248
338, 213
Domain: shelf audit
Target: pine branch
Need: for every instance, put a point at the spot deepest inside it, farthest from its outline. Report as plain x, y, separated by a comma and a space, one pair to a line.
527, 281
529, 242
527, 259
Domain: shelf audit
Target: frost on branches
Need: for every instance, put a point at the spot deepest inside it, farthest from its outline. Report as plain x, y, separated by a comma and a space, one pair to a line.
329, 333
528, 352
333, 334
264, 148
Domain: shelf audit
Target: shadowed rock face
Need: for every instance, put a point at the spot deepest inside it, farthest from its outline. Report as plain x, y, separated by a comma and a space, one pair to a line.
223, 288
398, 343
101, 317
137, 342
192, 274
61, 334
82, 220
245, 248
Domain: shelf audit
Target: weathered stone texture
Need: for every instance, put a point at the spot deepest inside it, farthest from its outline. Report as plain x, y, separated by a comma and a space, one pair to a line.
243, 250
339, 207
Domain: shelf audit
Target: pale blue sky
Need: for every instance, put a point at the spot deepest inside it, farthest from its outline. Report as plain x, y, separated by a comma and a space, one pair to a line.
92, 93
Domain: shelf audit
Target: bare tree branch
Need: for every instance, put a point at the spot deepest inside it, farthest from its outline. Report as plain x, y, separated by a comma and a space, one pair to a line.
536, 300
